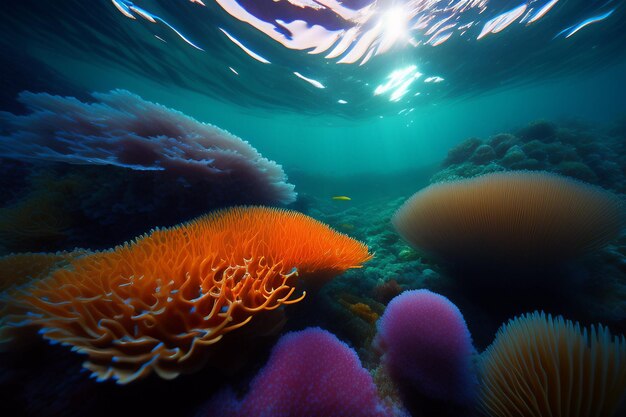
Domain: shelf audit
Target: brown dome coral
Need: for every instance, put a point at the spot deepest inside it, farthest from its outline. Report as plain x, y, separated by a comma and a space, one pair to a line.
160, 302
525, 217
540, 366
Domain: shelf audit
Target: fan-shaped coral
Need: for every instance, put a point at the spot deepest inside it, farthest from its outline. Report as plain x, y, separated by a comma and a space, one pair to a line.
529, 218
160, 302
540, 366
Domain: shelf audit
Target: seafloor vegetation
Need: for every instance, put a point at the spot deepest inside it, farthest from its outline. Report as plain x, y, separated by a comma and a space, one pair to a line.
479, 295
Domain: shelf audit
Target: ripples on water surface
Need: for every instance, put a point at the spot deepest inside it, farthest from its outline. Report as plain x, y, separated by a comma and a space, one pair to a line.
353, 58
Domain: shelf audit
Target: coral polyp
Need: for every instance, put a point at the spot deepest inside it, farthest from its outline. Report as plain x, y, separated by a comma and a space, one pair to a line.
159, 303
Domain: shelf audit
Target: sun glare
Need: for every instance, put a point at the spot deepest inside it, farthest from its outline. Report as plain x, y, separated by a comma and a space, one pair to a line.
394, 27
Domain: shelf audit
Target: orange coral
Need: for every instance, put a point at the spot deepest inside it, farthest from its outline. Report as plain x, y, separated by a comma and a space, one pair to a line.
160, 302
19, 269
363, 311
367, 310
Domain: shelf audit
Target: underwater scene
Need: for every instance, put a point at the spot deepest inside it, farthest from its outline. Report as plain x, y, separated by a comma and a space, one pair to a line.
313, 208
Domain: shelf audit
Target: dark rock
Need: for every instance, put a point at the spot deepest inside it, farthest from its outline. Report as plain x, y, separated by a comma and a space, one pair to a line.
514, 155
527, 164
461, 152
540, 130
577, 170
483, 154
502, 142
536, 150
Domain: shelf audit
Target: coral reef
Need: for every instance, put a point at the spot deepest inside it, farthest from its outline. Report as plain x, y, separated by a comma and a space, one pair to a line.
510, 219
394, 268
33, 222
195, 291
310, 373
362, 310
370, 223
427, 347
543, 366
159, 303
593, 156
138, 164
124, 130
387, 290
41, 209
17, 269
590, 288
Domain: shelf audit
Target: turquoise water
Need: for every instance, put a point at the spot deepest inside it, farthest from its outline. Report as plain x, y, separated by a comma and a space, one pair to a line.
535, 74
348, 108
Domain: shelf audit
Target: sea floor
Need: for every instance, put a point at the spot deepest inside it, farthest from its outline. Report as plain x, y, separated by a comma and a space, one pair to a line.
45, 380
40, 379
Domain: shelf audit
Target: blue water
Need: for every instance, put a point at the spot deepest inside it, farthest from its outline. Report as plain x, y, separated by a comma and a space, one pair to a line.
347, 107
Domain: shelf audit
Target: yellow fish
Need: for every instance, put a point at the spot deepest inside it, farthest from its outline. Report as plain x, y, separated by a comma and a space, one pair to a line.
341, 197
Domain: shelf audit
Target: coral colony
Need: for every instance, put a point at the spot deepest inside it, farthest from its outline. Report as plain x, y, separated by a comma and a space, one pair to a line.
427, 347
180, 299
154, 264
117, 308
123, 161
337, 383
512, 218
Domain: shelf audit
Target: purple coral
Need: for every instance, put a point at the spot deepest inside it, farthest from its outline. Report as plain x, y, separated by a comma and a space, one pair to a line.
121, 129
310, 373
428, 347
119, 166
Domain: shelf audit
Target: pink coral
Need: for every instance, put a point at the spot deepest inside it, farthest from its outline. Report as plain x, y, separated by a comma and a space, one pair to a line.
310, 373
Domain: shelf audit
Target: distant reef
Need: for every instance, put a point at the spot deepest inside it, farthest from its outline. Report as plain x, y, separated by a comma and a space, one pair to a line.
94, 174
406, 334
590, 288
596, 156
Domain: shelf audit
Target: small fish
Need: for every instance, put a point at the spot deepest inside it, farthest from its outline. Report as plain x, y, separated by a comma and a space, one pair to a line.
342, 198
